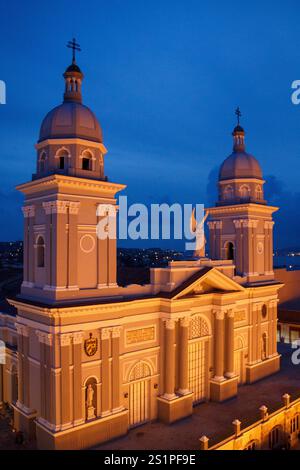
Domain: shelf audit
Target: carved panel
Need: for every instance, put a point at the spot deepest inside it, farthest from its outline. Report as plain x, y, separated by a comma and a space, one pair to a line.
140, 335
198, 328
240, 315
140, 371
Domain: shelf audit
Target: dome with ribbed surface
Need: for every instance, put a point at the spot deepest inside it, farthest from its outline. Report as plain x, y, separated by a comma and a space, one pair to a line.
240, 165
71, 120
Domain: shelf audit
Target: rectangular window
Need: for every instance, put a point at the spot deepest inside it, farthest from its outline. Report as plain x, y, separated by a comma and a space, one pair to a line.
61, 163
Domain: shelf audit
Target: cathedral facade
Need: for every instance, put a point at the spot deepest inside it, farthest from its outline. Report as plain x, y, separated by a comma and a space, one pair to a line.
86, 359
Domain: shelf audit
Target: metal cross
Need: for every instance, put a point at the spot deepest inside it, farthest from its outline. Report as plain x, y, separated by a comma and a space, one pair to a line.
238, 114
75, 47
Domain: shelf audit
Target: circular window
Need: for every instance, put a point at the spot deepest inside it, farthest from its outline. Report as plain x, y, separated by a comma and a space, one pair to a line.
87, 243
260, 248
264, 311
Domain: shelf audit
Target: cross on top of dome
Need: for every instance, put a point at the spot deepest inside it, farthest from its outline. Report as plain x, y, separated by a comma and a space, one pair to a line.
75, 47
238, 114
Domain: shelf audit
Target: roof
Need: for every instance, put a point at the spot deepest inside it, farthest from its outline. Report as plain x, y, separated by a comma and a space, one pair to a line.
240, 165
71, 120
289, 312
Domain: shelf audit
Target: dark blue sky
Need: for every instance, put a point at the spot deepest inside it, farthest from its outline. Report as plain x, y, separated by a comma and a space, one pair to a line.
164, 78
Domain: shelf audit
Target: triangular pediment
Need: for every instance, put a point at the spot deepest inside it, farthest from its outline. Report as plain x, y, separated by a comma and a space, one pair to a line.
206, 282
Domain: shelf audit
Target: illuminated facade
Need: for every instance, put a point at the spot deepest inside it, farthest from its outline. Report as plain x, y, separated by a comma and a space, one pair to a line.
94, 359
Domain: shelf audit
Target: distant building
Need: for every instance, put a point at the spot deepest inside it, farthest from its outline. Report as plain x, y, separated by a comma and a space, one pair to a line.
288, 329
94, 359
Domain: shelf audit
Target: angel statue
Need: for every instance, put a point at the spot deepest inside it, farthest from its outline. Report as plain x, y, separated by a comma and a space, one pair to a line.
198, 229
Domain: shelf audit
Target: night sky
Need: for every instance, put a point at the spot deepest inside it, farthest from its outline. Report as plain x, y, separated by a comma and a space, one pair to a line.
164, 78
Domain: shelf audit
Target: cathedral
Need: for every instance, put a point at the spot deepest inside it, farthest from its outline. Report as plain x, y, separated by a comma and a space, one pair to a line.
87, 360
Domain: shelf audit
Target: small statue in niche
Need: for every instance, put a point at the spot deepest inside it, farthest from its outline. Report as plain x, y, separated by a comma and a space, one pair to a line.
89, 402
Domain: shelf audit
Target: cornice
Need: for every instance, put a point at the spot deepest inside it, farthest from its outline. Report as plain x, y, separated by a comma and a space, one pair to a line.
72, 141
242, 208
63, 181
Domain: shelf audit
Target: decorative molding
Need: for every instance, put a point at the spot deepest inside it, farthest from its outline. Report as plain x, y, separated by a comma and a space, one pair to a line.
74, 207
60, 207
219, 314
89, 239
105, 333
185, 322
106, 210
268, 224
140, 335
116, 332
28, 211
65, 339
23, 330
47, 207
170, 324
230, 313
77, 337
46, 338
240, 315
237, 223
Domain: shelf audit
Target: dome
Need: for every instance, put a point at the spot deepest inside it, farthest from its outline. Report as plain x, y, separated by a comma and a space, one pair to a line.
240, 165
71, 120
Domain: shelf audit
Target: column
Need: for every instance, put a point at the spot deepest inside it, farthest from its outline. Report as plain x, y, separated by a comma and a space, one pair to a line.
28, 247
105, 398
212, 239
77, 379
219, 345
65, 340
273, 320
31, 250
248, 246
48, 242
72, 280
102, 246
258, 339
271, 248
20, 366
28, 212
42, 360
266, 247
218, 239
59, 244
229, 357
169, 360
238, 247
183, 356
116, 386
26, 367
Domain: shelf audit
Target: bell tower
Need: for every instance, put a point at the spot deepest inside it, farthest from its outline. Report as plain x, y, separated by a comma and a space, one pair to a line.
68, 196
241, 225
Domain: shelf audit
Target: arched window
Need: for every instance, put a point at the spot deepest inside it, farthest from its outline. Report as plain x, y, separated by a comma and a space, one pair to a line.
87, 161
42, 162
264, 347
252, 445
258, 192
62, 156
275, 437
244, 191
229, 250
40, 252
228, 193
295, 423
